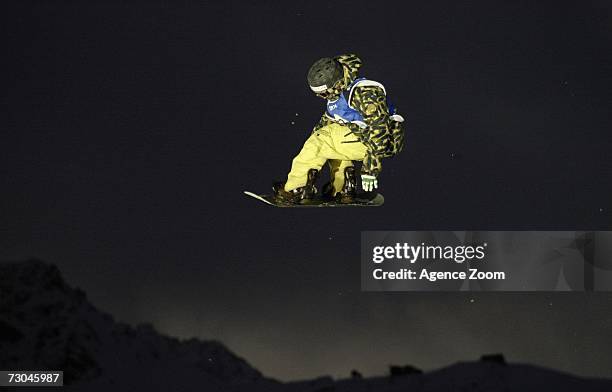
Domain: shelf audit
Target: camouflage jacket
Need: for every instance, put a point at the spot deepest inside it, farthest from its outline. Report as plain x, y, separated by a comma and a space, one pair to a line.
382, 136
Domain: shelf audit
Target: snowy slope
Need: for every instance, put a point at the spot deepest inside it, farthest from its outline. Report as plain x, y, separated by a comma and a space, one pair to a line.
45, 324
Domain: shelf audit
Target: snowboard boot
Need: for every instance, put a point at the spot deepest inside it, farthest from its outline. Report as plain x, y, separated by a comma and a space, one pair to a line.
296, 196
348, 194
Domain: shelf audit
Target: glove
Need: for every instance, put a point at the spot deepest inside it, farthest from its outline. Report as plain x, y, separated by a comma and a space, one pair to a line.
368, 182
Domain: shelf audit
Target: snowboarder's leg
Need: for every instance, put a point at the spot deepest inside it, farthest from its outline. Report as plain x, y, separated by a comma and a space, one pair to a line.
337, 169
347, 145
305, 170
343, 186
305, 192
308, 158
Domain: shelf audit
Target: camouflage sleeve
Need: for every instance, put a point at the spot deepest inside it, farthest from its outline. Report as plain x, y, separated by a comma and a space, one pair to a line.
323, 121
351, 64
371, 102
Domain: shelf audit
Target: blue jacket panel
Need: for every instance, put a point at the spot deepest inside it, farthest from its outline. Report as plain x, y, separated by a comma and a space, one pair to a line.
341, 111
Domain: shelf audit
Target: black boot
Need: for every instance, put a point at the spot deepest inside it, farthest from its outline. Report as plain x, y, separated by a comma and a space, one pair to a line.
349, 191
296, 196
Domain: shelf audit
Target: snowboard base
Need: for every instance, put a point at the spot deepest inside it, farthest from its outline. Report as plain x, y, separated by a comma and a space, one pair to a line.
363, 200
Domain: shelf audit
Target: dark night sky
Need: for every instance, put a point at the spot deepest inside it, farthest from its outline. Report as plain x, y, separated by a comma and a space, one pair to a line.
129, 132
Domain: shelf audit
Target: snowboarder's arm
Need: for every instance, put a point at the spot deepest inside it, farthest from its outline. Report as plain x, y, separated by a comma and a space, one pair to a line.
371, 102
322, 122
351, 64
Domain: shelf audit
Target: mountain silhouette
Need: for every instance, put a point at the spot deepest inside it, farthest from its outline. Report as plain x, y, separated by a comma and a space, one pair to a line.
47, 325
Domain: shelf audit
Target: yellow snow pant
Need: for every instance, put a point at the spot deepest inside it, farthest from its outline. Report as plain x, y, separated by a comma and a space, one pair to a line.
333, 143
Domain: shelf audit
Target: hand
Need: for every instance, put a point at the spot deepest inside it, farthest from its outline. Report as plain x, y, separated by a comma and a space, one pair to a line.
368, 182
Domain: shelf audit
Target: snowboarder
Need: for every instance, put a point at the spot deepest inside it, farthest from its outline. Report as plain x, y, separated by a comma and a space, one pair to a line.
359, 124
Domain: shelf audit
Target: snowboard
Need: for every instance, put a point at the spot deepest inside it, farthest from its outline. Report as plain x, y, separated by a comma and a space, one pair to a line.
362, 200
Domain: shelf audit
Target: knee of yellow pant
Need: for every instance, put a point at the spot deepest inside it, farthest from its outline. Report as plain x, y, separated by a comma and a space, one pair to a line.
303, 162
